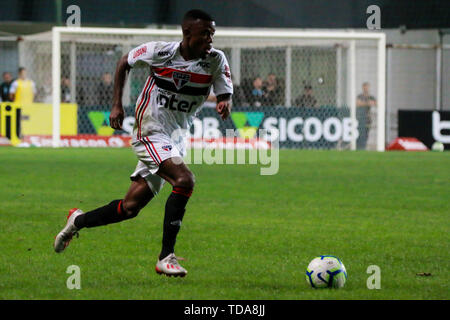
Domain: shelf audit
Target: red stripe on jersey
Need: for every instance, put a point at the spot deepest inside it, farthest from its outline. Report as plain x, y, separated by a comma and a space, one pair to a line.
143, 111
195, 77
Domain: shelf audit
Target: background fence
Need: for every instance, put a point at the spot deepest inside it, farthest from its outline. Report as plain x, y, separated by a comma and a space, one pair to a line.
413, 65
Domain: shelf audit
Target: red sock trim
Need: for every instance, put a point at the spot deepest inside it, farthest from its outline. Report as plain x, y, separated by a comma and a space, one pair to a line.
119, 207
183, 191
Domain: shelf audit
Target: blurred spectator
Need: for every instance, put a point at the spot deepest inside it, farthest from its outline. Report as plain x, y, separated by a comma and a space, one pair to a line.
22, 89
272, 90
306, 99
105, 90
44, 92
365, 99
4, 87
256, 97
238, 97
65, 90
367, 105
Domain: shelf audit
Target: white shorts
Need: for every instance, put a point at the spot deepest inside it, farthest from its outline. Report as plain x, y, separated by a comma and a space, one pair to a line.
151, 151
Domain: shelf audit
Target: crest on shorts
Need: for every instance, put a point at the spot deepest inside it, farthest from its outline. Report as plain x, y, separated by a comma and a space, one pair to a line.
180, 79
167, 147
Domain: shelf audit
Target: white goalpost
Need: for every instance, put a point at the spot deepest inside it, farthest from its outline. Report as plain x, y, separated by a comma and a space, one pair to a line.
336, 62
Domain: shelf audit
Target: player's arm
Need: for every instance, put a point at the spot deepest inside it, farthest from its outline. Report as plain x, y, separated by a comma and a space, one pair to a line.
360, 103
223, 106
223, 87
12, 91
117, 113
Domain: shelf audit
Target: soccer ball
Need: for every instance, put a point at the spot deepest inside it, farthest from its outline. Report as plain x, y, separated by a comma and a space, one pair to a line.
326, 272
437, 146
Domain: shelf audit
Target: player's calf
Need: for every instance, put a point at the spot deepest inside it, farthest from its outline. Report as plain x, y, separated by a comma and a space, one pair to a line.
111, 213
137, 197
182, 181
115, 211
174, 213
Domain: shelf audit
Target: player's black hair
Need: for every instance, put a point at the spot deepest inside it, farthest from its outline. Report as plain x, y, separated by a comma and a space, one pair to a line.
195, 14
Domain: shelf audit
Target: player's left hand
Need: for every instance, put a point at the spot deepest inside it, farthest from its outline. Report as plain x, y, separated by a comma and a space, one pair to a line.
223, 108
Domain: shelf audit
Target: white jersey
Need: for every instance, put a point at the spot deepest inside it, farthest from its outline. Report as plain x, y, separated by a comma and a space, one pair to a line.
175, 89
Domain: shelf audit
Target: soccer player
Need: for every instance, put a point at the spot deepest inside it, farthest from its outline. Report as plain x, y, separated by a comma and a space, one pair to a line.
180, 80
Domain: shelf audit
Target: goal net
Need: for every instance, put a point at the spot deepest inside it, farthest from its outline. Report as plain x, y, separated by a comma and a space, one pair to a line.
304, 86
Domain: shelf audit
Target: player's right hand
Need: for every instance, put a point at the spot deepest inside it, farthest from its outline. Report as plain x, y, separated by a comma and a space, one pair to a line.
116, 117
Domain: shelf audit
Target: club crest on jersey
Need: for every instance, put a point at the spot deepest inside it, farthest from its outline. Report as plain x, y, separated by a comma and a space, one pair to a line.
180, 79
167, 147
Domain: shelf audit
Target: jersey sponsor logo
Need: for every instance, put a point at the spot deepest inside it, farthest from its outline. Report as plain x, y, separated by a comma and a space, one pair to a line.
171, 103
139, 52
164, 53
180, 79
204, 64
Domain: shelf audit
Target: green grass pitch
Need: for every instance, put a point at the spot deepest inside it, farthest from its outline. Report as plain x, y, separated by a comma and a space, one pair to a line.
244, 236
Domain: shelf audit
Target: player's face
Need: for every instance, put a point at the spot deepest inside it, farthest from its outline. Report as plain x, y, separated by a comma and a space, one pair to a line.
366, 88
201, 37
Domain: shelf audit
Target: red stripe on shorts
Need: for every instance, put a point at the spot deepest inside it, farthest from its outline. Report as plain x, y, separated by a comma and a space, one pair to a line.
149, 151
154, 149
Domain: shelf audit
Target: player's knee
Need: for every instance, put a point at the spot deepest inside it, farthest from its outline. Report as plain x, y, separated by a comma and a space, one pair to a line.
186, 181
130, 209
